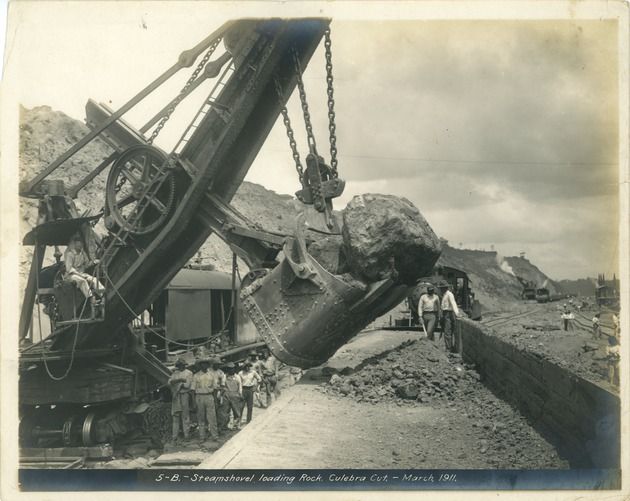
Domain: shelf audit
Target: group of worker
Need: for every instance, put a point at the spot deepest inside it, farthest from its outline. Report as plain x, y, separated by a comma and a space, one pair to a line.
220, 392
433, 309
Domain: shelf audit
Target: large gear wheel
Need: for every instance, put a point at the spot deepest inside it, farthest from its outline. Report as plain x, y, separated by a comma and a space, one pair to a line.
140, 190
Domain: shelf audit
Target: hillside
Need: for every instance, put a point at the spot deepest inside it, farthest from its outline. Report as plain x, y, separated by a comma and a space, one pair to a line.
492, 285
46, 133
523, 268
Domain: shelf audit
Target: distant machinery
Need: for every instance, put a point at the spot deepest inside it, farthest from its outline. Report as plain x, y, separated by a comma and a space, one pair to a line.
441, 276
607, 291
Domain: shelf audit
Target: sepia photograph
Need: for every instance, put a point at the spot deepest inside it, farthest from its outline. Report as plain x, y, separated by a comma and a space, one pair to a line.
343, 246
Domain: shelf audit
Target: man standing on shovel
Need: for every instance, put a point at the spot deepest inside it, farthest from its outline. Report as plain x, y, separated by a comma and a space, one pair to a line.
429, 311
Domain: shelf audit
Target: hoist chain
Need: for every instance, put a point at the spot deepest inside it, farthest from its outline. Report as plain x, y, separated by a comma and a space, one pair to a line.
183, 92
332, 128
289, 129
310, 137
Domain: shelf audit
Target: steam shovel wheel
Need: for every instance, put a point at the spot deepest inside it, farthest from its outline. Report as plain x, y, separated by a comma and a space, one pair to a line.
140, 190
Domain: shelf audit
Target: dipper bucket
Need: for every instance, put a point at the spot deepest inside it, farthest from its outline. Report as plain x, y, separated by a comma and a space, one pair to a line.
304, 313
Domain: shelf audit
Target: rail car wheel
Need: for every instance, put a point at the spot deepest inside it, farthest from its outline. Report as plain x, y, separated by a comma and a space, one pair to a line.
140, 189
87, 432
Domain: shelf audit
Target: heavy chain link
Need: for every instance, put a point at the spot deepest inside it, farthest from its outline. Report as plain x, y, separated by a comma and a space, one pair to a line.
287, 124
332, 127
310, 137
182, 93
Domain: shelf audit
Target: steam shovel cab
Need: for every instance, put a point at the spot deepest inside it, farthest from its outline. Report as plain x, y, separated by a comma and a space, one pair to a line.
62, 301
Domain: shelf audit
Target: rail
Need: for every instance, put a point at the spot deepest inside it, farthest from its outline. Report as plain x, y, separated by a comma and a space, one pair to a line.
503, 320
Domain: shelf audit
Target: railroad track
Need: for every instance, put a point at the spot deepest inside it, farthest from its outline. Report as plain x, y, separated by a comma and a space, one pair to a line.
586, 323
496, 322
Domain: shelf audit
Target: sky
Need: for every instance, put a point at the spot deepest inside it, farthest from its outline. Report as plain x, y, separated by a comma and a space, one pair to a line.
503, 133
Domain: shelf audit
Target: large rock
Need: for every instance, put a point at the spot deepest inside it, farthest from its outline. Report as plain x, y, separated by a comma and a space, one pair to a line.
385, 236
328, 251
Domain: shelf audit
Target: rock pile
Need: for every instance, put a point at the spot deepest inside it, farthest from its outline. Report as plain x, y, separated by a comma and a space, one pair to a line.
421, 374
418, 371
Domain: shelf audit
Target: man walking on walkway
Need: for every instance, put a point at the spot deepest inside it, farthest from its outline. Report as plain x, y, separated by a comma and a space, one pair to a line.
429, 311
205, 383
450, 310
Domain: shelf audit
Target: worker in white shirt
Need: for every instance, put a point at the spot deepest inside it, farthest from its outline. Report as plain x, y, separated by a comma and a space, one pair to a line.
429, 311
597, 328
450, 310
249, 380
612, 355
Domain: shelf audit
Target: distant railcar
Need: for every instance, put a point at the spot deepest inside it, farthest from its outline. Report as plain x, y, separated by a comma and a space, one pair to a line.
528, 293
542, 295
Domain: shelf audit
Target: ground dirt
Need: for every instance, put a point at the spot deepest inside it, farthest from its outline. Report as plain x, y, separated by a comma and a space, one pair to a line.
320, 430
539, 331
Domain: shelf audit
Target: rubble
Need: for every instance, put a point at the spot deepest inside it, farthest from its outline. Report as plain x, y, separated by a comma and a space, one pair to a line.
417, 370
420, 373
385, 236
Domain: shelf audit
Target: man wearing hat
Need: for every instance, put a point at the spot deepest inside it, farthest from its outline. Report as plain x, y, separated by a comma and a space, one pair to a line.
257, 366
234, 394
206, 383
450, 311
180, 383
429, 311
221, 403
250, 379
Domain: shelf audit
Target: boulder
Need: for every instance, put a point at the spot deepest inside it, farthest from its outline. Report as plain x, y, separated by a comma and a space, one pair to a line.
385, 236
328, 251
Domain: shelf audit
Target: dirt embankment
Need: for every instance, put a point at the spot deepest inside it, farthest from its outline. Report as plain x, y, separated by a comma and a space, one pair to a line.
528, 271
494, 287
541, 332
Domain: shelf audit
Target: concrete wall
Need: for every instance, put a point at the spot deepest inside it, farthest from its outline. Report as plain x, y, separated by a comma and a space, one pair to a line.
577, 416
